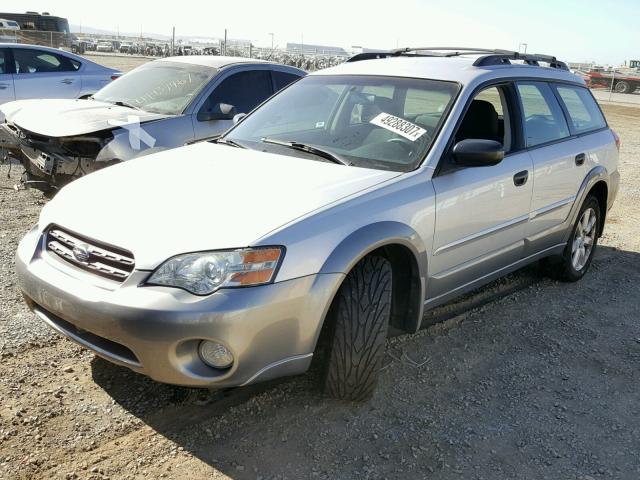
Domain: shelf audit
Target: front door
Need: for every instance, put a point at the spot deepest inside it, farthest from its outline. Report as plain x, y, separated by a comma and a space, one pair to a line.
43, 74
6, 79
481, 212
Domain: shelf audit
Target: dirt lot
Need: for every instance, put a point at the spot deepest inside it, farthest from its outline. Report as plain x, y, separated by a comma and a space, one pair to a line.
538, 383
121, 62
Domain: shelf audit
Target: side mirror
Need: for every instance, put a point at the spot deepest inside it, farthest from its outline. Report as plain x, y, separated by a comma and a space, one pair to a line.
478, 153
220, 111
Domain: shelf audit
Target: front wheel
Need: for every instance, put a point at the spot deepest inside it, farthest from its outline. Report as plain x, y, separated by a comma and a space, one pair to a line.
578, 253
360, 322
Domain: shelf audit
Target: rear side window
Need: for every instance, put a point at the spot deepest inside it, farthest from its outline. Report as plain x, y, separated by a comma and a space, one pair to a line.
543, 118
584, 113
283, 79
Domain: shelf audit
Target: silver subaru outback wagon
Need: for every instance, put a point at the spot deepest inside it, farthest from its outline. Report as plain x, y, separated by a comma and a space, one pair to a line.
349, 203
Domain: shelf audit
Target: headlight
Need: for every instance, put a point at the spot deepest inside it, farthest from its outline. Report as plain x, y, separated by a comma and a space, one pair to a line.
203, 273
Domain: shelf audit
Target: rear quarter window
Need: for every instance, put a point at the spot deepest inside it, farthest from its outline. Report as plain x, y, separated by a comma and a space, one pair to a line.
584, 114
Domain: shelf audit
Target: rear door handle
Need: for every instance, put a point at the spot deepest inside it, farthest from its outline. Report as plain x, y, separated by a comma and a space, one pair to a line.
520, 178
580, 159
67, 81
4, 86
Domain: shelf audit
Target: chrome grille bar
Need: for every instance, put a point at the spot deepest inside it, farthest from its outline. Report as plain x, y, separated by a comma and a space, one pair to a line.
96, 257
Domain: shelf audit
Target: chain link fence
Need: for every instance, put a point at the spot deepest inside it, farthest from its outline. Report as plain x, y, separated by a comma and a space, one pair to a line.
146, 47
36, 37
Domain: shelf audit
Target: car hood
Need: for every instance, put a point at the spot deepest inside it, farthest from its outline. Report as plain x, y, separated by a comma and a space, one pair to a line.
200, 197
64, 118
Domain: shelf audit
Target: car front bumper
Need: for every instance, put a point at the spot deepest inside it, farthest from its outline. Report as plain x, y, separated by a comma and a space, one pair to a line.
271, 330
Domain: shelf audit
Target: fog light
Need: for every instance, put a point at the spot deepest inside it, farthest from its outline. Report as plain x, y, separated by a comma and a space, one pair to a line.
215, 354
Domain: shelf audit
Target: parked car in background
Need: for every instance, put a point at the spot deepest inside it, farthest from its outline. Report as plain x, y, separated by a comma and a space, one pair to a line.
104, 47
159, 105
345, 205
8, 24
31, 71
6, 27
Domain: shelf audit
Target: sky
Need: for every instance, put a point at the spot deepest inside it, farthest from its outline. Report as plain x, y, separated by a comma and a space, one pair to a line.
603, 31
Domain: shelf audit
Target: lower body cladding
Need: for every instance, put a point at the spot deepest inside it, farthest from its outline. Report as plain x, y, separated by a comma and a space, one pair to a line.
270, 330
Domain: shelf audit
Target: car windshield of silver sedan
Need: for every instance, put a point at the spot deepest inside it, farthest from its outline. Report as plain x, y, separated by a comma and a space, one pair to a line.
364, 121
158, 87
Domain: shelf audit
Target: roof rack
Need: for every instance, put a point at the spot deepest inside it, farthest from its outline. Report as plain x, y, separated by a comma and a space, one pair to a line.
487, 57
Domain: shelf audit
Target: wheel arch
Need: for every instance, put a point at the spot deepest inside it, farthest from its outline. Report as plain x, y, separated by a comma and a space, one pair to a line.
406, 252
597, 176
600, 190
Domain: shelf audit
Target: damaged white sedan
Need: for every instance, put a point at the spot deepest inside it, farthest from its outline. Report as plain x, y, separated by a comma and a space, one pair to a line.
162, 104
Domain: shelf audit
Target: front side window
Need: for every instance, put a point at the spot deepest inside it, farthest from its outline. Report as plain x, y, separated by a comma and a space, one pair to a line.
487, 118
243, 90
368, 121
543, 118
36, 61
3, 63
159, 87
282, 79
584, 113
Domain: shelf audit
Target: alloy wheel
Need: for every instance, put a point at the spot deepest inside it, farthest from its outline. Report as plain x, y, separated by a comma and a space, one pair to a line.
583, 239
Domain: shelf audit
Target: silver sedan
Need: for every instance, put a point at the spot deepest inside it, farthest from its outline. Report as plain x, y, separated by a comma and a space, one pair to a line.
160, 105
32, 71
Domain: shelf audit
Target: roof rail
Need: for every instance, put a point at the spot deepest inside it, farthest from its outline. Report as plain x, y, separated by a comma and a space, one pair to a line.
487, 57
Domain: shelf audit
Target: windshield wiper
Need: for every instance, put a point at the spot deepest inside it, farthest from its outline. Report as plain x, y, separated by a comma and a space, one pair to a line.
125, 104
228, 141
303, 147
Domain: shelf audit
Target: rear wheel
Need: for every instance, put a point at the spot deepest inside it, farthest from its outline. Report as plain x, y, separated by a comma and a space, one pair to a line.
359, 326
624, 87
578, 253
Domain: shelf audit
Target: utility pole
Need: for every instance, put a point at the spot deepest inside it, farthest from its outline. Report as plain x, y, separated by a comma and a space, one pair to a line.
271, 41
225, 42
173, 41
520, 46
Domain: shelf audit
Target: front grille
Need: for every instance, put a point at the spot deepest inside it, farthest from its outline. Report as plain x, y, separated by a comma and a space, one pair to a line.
87, 254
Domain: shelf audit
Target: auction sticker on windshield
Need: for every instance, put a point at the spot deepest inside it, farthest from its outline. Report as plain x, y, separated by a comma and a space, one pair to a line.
399, 126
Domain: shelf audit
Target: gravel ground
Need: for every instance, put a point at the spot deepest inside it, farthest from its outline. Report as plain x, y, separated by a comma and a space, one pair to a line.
529, 378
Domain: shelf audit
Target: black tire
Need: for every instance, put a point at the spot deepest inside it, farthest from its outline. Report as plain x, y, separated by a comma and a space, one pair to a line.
563, 268
359, 325
624, 87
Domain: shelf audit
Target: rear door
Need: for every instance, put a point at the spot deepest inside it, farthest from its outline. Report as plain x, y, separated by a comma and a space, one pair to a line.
7, 93
560, 162
45, 74
244, 89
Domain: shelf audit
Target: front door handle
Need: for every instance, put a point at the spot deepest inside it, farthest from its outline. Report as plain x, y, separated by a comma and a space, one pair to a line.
520, 178
67, 81
4, 86
580, 159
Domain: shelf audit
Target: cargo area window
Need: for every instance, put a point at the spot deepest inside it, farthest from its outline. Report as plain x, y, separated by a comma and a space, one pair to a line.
583, 111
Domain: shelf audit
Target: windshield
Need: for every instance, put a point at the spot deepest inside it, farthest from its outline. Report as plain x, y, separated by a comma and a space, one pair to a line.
374, 122
158, 87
